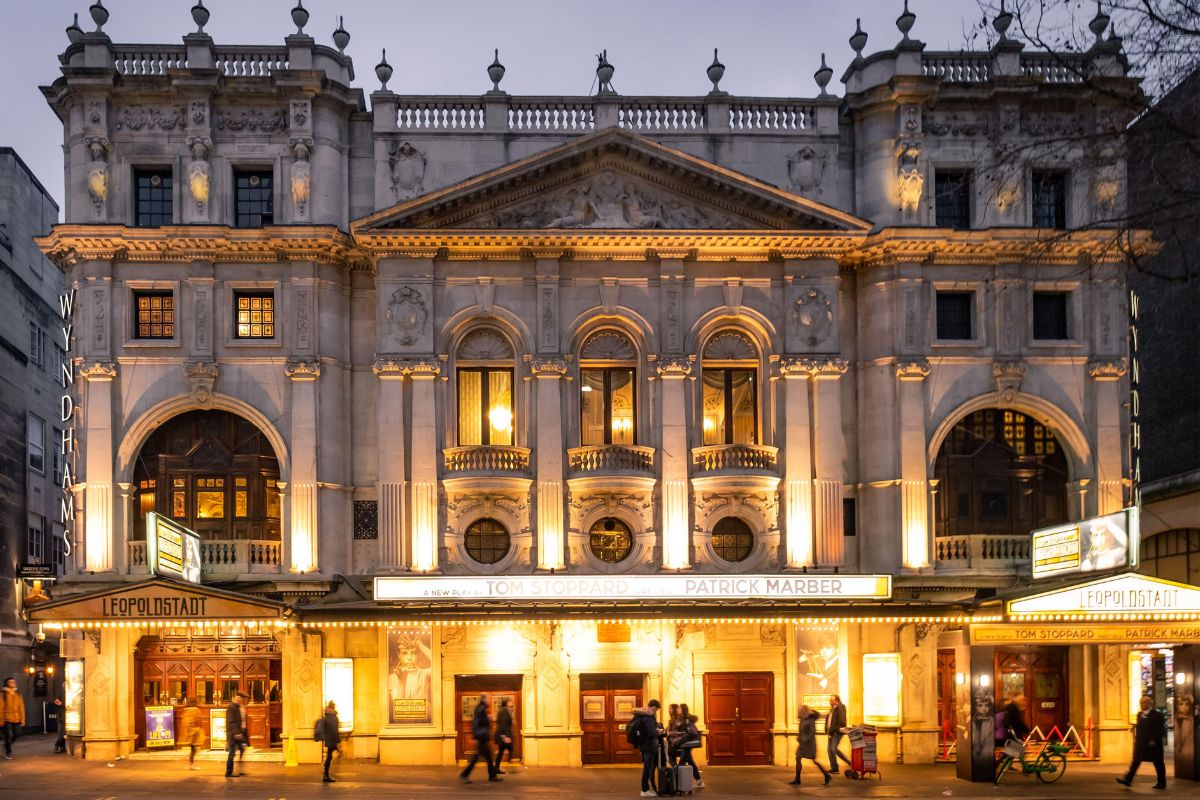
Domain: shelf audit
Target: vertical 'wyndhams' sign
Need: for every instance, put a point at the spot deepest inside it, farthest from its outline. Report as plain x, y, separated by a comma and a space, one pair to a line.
66, 445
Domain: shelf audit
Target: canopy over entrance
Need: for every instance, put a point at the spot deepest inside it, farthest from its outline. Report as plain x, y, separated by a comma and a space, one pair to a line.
157, 601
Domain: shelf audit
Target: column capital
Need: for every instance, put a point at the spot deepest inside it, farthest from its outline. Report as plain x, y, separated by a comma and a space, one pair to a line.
819, 367
674, 366
390, 367
98, 370
424, 367
299, 369
912, 369
547, 367
1111, 369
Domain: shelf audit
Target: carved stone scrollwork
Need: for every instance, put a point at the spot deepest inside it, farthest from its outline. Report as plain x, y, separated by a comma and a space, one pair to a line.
98, 370
299, 369
806, 169
386, 367
1107, 370
406, 313
424, 367
201, 375
1008, 376
813, 314
550, 367
815, 367
913, 369
406, 165
910, 182
674, 366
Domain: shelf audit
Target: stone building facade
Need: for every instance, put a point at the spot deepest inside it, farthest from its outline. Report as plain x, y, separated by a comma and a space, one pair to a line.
480, 337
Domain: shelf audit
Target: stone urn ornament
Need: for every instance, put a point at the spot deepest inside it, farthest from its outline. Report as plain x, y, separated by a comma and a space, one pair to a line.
383, 71
200, 16
858, 40
1099, 22
299, 17
341, 37
74, 32
495, 72
99, 15
1002, 21
823, 76
716, 71
905, 22
604, 73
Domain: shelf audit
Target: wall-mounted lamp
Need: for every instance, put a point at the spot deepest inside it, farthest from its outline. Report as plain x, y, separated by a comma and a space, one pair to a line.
960, 678
1180, 678
985, 680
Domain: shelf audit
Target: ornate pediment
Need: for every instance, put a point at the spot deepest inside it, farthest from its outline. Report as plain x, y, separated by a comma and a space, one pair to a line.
611, 180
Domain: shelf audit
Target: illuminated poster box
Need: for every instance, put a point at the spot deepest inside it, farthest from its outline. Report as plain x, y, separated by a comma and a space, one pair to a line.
73, 697
338, 677
172, 549
160, 726
217, 730
881, 689
1089, 545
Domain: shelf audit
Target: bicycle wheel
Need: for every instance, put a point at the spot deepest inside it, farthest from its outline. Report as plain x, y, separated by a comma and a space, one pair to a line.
1051, 767
1005, 763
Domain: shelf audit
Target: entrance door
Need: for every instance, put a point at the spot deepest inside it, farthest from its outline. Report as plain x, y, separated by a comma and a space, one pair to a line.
1036, 679
606, 706
467, 689
947, 712
739, 714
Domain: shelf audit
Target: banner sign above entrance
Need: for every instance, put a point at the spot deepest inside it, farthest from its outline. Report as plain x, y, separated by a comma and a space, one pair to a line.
1119, 594
171, 549
1090, 545
637, 587
157, 600
1092, 633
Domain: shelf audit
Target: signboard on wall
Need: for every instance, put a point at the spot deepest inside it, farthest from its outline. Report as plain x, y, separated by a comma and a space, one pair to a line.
881, 689
217, 730
73, 697
337, 676
410, 677
818, 669
171, 549
160, 726
1091, 633
156, 600
1129, 593
1090, 545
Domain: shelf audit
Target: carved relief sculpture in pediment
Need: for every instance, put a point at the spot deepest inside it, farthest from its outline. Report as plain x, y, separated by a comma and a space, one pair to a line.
813, 314
406, 314
407, 168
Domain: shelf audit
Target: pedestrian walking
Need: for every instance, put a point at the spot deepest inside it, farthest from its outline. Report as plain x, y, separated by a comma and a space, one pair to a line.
835, 729
189, 730
674, 733
1011, 724
643, 733
1148, 738
331, 738
504, 734
807, 743
14, 715
60, 744
235, 735
481, 729
690, 742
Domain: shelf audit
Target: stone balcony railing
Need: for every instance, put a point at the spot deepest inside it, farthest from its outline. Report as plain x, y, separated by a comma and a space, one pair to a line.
976, 67
610, 458
486, 459
735, 458
224, 557
979, 552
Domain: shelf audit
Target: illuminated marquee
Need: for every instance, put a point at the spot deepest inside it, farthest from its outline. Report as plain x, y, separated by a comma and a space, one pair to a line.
1119, 594
66, 444
1090, 545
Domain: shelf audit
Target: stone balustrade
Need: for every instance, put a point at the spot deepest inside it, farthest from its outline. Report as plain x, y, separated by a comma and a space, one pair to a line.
249, 61
493, 459
964, 67
223, 557
1055, 67
609, 458
735, 458
149, 59
981, 552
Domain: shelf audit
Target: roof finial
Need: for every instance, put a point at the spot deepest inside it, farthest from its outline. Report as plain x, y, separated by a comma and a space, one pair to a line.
299, 17
200, 16
604, 73
905, 22
1002, 21
74, 32
1099, 23
383, 71
716, 71
823, 75
341, 37
858, 40
99, 15
495, 72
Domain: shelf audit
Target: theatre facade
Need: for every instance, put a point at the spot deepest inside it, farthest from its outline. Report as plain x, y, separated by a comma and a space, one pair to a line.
583, 401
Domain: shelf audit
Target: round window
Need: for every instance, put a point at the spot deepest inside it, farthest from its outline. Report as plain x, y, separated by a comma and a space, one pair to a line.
732, 539
487, 541
611, 540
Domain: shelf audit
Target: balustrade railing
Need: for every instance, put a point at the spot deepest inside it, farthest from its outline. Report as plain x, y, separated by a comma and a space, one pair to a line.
227, 557
1055, 67
551, 115
148, 59
981, 551
662, 116
486, 458
443, 114
735, 457
254, 61
771, 116
957, 67
604, 458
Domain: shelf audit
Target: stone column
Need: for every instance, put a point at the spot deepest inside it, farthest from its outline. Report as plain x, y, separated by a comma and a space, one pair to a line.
676, 525
304, 554
547, 379
394, 550
798, 466
829, 459
914, 515
1107, 398
98, 476
425, 457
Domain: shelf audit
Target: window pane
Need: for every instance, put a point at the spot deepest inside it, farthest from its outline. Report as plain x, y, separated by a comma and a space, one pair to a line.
1050, 315
952, 199
500, 410
610, 540
254, 200
470, 407
254, 314
591, 406
623, 406
744, 429
153, 198
714, 406
954, 315
1049, 200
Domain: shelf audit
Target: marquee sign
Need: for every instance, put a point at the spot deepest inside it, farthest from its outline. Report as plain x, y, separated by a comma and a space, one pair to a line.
635, 587
1092, 633
1089, 545
156, 600
1129, 593
171, 549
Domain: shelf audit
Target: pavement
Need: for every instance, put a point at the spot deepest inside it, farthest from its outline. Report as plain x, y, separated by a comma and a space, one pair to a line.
36, 773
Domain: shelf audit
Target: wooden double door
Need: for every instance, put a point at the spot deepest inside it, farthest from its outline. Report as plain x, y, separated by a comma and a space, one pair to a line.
739, 713
498, 688
1036, 679
606, 706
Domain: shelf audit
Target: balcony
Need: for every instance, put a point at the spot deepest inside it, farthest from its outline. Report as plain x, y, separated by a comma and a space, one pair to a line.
225, 557
981, 554
478, 459
735, 458
610, 458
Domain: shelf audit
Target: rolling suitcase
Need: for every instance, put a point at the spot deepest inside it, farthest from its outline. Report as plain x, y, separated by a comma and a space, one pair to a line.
685, 781
665, 776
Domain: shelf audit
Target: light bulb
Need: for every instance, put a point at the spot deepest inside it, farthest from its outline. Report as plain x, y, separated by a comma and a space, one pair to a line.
500, 418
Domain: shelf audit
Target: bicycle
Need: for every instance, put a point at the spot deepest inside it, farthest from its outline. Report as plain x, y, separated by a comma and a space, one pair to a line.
1049, 765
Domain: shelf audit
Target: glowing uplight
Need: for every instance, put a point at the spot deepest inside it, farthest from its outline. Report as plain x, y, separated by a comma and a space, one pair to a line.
500, 418
710, 424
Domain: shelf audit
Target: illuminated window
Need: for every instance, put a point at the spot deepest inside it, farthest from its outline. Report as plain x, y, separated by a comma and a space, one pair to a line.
255, 199
146, 498
210, 498
610, 540
486, 411
153, 197
154, 315
607, 390
241, 502
255, 315
730, 400
487, 541
732, 539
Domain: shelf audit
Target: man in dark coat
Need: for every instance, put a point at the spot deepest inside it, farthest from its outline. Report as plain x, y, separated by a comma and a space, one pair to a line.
645, 735
330, 737
835, 720
235, 735
504, 734
481, 729
1148, 741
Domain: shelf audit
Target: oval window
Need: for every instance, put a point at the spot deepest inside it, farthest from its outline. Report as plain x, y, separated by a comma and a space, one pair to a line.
487, 541
611, 540
732, 539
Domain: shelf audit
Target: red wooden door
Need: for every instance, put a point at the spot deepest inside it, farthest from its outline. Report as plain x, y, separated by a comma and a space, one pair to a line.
606, 706
947, 713
468, 688
739, 712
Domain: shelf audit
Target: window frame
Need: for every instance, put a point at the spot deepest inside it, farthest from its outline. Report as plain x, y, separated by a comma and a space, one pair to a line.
135, 294
974, 320
749, 529
37, 344
1062, 204
470, 530
253, 291
30, 446
36, 531
168, 191
484, 405
1067, 321
966, 176
251, 171
606, 398
591, 532
727, 402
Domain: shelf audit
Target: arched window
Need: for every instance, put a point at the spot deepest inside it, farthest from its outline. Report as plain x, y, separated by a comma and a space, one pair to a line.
607, 390
486, 412
1000, 472
732, 539
487, 541
213, 472
730, 373
610, 540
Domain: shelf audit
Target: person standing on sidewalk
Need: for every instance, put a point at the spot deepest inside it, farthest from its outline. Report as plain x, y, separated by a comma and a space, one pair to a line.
14, 715
189, 730
235, 733
504, 734
1148, 739
835, 722
689, 743
644, 734
481, 729
807, 743
331, 737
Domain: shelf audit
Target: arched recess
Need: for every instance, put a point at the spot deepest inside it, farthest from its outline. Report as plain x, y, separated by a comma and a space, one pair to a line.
628, 321
462, 322
741, 318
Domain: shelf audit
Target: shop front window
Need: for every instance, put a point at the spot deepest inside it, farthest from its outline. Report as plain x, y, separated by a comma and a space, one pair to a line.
486, 408
730, 395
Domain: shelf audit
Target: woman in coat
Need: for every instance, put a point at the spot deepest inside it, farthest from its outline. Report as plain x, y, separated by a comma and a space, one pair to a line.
189, 730
807, 743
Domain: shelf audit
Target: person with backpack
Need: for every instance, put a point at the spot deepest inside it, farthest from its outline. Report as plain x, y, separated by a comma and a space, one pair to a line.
689, 742
504, 734
644, 734
481, 729
331, 737
807, 743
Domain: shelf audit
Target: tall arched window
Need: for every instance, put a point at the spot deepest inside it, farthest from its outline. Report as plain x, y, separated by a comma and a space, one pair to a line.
607, 389
486, 411
730, 376
213, 472
1000, 472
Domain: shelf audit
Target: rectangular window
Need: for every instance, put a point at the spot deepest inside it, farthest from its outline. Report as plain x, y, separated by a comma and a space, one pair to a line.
210, 498
606, 406
1049, 199
730, 407
255, 315
255, 198
952, 199
36, 545
849, 517
37, 344
152, 197
485, 406
57, 357
58, 550
154, 315
36, 439
954, 313
1050, 315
